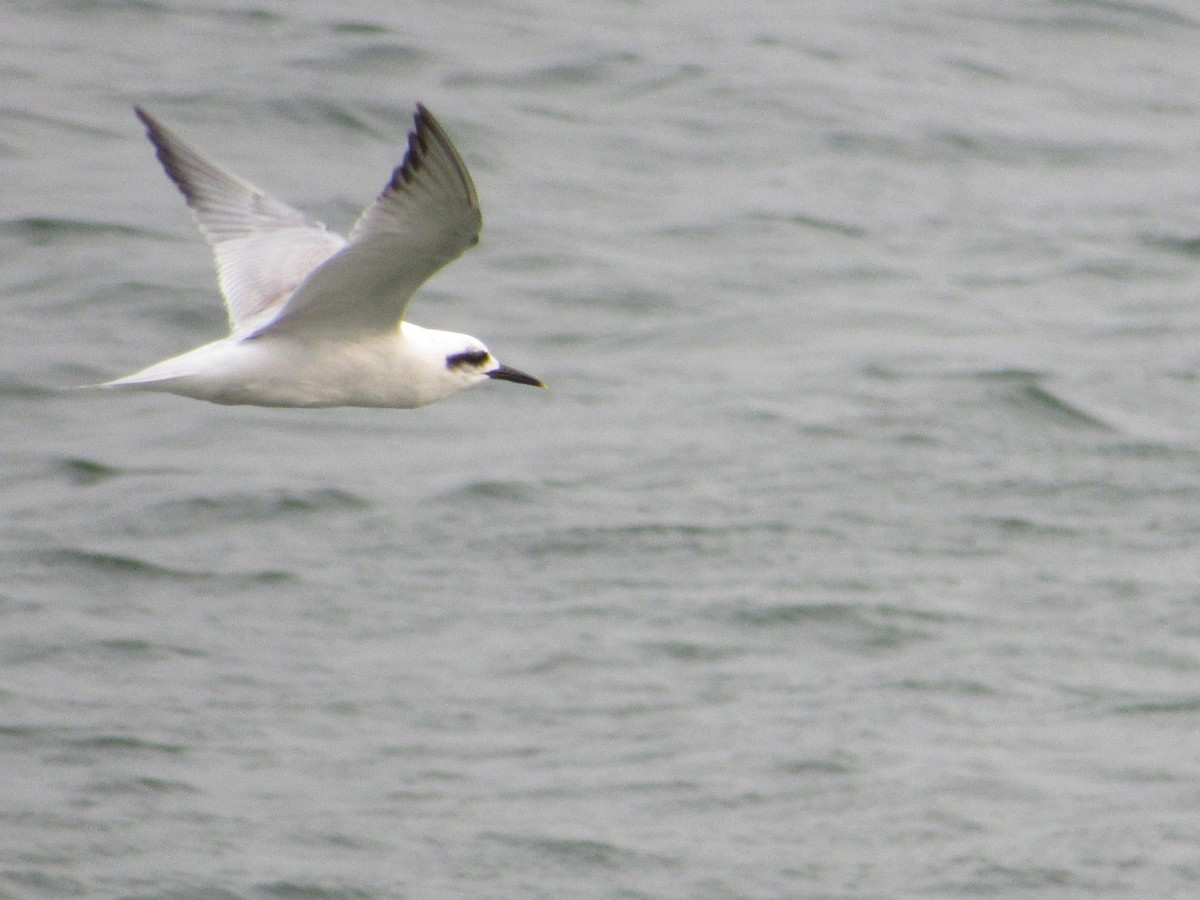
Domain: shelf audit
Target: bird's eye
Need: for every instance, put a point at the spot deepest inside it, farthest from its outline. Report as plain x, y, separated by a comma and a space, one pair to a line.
468, 358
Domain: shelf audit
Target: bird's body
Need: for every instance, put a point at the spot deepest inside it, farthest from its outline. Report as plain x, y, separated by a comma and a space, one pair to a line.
317, 319
402, 369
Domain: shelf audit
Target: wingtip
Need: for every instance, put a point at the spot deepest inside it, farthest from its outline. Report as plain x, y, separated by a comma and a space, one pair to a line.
425, 121
154, 130
423, 124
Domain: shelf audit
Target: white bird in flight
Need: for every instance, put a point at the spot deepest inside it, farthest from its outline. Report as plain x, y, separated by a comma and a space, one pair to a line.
317, 319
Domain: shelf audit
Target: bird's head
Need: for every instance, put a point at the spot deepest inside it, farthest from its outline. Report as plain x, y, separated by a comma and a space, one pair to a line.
467, 361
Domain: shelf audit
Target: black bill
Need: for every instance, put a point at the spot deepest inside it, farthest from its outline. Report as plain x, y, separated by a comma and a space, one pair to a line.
504, 373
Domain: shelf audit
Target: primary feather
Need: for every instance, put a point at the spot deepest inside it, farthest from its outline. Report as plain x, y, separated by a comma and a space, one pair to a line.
425, 218
264, 249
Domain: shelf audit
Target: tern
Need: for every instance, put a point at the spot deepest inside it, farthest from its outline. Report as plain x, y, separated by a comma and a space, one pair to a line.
317, 319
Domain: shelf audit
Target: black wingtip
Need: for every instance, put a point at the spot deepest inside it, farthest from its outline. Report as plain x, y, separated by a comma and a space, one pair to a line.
428, 137
145, 118
161, 139
424, 123
153, 129
418, 146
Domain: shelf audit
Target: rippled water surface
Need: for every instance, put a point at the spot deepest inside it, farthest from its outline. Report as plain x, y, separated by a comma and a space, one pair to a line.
851, 554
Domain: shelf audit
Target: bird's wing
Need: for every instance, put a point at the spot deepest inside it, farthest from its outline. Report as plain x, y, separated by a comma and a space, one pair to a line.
426, 216
264, 249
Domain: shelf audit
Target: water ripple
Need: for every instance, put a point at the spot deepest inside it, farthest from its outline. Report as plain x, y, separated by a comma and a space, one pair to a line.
89, 563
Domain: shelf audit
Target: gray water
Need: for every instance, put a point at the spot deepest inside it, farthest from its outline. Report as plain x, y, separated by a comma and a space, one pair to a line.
852, 552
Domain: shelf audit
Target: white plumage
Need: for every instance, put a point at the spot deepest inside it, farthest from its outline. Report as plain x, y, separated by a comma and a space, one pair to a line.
316, 319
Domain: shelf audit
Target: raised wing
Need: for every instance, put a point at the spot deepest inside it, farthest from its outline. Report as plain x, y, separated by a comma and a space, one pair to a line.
264, 249
426, 216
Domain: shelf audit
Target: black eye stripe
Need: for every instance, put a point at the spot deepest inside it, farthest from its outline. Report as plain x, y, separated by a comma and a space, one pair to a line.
473, 358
